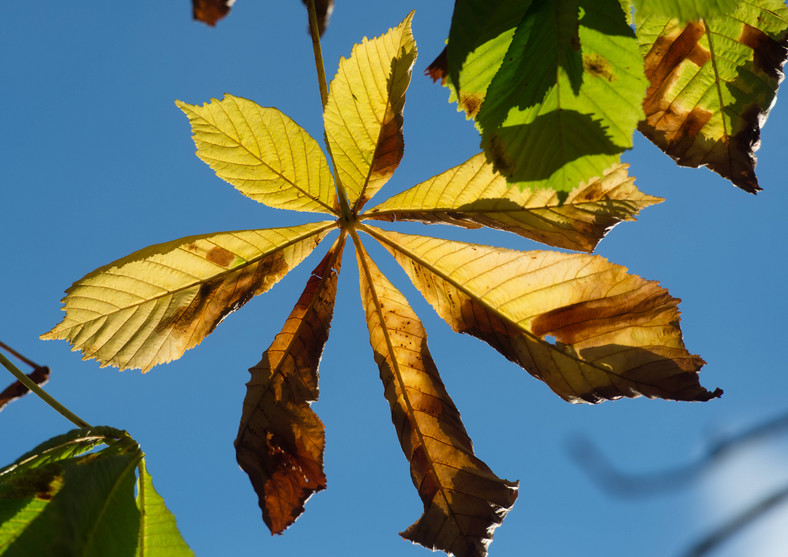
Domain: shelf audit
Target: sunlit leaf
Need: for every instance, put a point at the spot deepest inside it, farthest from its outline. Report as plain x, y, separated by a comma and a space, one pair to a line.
566, 100
159, 535
712, 85
473, 194
684, 10
55, 502
481, 32
363, 117
281, 440
615, 335
15, 390
151, 306
263, 153
464, 501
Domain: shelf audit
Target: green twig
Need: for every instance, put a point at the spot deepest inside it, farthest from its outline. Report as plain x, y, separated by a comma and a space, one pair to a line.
42, 394
314, 31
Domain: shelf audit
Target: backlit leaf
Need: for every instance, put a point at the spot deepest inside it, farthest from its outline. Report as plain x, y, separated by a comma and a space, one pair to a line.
363, 117
567, 97
151, 306
464, 501
712, 83
684, 10
70, 504
481, 32
473, 194
616, 335
159, 535
263, 153
281, 440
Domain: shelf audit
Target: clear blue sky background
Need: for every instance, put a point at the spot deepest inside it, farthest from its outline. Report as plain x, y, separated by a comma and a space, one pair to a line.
97, 162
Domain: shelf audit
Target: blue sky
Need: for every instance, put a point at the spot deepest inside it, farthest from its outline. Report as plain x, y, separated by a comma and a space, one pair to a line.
98, 162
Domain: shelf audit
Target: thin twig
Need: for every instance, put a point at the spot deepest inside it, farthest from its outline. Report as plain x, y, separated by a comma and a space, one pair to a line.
18, 356
42, 394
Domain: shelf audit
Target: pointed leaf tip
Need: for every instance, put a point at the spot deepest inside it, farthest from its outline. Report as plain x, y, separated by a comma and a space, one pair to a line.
364, 114
615, 334
149, 307
281, 440
464, 501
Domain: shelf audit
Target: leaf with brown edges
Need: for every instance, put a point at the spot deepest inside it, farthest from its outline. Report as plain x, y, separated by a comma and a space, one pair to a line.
473, 194
151, 306
281, 440
616, 335
464, 501
712, 84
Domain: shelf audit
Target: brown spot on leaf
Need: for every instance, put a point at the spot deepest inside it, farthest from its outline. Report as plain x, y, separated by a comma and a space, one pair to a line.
577, 322
220, 256
599, 66
471, 102
769, 54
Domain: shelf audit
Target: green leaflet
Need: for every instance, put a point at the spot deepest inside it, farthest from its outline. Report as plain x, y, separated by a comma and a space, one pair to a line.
158, 535
566, 93
58, 501
712, 85
684, 10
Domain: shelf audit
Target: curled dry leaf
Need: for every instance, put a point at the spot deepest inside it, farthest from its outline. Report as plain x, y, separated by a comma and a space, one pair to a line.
464, 501
473, 194
281, 440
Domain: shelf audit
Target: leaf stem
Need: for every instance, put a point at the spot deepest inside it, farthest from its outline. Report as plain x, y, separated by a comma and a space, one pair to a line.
314, 31
42, 394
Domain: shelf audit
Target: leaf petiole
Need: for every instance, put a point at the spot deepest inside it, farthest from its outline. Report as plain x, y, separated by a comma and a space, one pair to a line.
323, 86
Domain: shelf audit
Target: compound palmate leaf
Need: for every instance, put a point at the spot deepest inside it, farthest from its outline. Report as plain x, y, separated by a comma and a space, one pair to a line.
712, 83
151, 306
616, 335
587, 328
463, 500
473, 194
57, 500
281, 440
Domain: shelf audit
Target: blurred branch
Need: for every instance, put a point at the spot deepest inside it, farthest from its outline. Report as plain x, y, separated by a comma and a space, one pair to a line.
738, 523
599, 468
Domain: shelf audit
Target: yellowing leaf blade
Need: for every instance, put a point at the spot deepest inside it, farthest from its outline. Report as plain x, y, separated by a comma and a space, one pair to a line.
281, 440
464, 501
712, 84
151, 306
363, 116
263, 153
473, 194
616, 335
